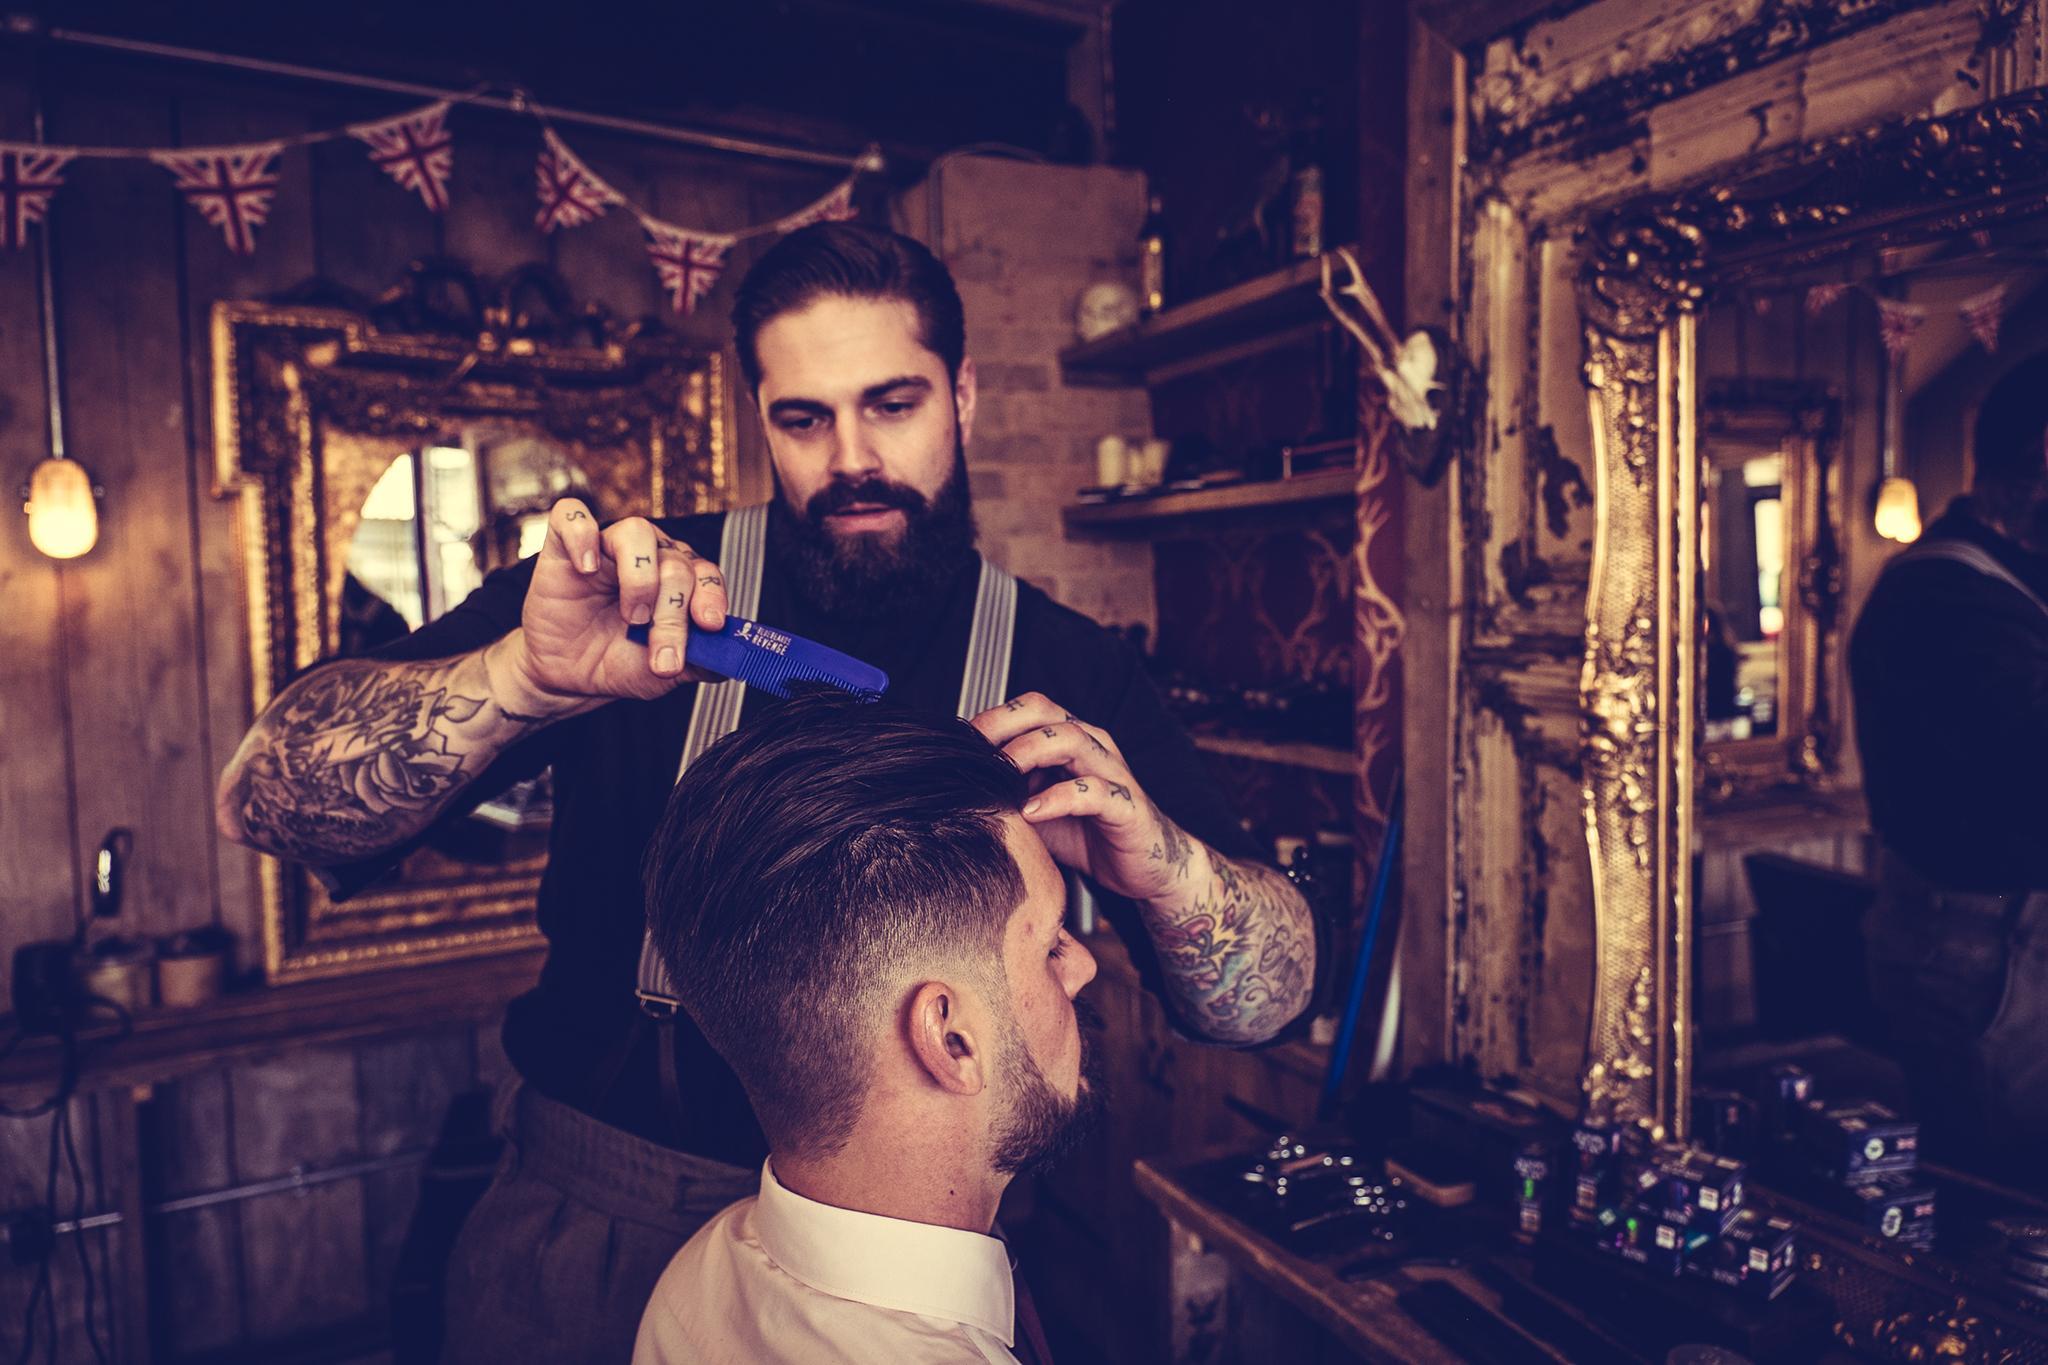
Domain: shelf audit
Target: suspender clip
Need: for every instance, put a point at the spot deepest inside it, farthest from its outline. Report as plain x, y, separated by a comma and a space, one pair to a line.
659, 1008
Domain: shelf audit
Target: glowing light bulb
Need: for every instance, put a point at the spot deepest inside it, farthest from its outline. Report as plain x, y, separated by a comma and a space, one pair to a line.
1898, 510
63, 520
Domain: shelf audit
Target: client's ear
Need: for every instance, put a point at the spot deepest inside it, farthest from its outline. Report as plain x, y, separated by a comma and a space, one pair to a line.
943, 1041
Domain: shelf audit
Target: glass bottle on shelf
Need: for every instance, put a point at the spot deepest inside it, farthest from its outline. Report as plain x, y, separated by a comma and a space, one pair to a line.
1152, 260
1305, 183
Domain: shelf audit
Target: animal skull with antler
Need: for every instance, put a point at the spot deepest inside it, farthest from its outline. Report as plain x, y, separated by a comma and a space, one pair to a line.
1407, 368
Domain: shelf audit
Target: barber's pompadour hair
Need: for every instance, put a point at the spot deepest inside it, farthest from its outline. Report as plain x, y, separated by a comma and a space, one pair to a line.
2012, 423
807, 866
848, 260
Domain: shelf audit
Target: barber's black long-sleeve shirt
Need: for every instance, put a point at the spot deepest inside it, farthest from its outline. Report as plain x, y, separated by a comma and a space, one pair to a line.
614, 767
1950, 670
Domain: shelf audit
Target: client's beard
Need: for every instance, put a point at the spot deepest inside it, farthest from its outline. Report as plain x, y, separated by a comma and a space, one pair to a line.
863, 576
1043, 1125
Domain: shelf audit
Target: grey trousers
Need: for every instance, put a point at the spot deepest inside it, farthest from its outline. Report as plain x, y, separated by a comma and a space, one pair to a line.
558, 1259
1962, 981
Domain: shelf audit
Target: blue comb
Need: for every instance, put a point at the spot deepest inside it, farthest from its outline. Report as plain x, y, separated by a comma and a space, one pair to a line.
774, 660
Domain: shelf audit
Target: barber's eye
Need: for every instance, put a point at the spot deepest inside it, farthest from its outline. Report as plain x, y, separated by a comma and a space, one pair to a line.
1059, 947
799, 425
895, 408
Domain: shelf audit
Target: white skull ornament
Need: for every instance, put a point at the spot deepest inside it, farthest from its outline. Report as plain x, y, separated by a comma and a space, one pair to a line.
1104, 307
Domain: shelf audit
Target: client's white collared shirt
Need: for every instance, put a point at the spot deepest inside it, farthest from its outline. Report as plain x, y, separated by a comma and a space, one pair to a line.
783, 1278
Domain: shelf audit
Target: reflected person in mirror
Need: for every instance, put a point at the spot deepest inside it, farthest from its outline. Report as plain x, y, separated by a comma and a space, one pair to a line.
880, 952
626, 1129
1949, 662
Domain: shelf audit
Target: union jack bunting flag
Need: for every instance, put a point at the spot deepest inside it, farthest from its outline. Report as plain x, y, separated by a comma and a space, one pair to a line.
1897, 322
230, 186
1982, 312
835, 207
1821, 297
688, 264
415, 150
30, 176
570, 195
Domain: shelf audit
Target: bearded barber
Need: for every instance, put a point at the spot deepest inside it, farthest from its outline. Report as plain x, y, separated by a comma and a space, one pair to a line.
626, 1132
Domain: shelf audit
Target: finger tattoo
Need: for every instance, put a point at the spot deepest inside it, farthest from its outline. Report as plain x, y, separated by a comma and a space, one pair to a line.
675, 599
711, 580
578, 515
1080, 785
1118, 789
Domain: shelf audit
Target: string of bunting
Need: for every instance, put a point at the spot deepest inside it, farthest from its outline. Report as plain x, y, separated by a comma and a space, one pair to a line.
233, 188
1899, 320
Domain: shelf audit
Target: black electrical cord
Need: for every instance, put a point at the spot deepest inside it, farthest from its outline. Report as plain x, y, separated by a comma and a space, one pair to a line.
42, 1297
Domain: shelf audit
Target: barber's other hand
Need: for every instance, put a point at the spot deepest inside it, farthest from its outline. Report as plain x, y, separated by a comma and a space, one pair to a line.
589, 585
1085, 803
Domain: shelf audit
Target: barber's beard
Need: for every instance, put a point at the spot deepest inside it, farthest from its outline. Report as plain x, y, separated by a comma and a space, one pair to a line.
868, 576
1042, 1125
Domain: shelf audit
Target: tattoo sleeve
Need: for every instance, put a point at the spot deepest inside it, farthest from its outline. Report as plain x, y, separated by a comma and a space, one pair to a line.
361, 755
1237, 946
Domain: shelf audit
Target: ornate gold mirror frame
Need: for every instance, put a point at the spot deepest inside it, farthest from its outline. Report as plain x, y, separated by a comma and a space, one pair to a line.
1649, 265
312, 404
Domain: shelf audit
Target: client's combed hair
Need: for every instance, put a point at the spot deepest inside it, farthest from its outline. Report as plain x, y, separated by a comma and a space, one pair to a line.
807, 863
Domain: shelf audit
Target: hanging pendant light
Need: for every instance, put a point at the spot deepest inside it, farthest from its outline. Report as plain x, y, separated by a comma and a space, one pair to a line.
63, 518
60, 498
1896, 509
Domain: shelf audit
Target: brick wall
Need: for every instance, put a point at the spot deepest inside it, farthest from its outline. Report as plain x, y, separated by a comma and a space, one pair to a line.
1022, 241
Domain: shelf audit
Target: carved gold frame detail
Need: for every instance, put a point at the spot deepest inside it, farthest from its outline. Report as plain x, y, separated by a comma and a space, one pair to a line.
310, 405
1648, 267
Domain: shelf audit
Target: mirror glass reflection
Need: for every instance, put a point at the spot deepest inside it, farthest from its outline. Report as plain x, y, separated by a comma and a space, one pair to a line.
434, 523
1800, 958
1742, 551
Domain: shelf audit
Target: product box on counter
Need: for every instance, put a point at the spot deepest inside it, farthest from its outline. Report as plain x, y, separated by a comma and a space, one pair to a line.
1756, 1256
1858, 1141
1895, 1205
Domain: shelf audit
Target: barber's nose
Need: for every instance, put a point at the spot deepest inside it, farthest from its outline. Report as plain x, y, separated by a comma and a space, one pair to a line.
852, 455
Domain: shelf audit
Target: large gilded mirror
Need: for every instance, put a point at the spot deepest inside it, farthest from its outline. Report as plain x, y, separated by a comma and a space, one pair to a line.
1718, 582
386, 458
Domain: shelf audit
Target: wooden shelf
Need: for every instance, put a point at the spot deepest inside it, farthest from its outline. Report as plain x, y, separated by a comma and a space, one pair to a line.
1248, 312
1165, 513
1323, 758
168, 1043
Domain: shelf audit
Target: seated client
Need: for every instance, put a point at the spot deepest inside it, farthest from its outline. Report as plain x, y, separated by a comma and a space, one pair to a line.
860, 920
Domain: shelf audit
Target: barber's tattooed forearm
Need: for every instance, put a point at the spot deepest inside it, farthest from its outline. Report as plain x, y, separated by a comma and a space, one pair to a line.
1239, 952
360, 756
1179, 849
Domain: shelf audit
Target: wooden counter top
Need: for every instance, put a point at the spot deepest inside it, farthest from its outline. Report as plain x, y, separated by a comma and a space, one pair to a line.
1363, 1314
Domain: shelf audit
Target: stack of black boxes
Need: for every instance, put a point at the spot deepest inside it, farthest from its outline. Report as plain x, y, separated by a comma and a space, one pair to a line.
1677, 1211
1866, 1160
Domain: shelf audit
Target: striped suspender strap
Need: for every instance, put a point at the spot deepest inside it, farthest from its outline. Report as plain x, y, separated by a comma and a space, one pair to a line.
986, 678
716, 711
1976, 557
986, 683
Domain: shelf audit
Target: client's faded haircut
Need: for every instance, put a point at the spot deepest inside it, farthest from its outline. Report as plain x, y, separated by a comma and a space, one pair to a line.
806, 867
